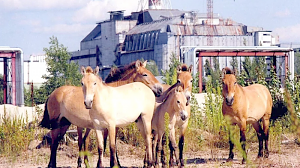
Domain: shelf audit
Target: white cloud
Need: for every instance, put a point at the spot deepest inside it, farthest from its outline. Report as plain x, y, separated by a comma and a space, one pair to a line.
288, 34
283, 14
30, 22
66, 29
96, 10
40, 4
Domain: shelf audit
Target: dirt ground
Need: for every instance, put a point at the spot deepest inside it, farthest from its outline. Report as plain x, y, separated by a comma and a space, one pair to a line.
286, 156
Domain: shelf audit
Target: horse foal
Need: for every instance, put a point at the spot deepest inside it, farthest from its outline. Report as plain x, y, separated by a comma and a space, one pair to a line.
175, 105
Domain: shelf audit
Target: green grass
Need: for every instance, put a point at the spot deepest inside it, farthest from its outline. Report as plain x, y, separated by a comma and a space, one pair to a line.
15, 135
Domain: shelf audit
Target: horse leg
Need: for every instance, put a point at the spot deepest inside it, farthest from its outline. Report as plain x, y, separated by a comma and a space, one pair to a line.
181, 143
79, 131
260, 135
266, 123
144, 124
86, 141
231, 146
140, 127
155, 149
173, 147
112, 145
56, 136
99, 133
243, 140
162, 155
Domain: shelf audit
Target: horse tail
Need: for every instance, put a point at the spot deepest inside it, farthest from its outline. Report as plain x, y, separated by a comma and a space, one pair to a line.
46, 123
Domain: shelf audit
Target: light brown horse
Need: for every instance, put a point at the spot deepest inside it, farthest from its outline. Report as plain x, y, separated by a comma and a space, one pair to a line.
185, 79
112, 107
246, 105
62, 107
175, 105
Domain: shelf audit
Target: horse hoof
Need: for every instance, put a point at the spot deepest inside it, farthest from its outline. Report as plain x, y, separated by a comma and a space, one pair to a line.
266, 155
182, 162
244, 161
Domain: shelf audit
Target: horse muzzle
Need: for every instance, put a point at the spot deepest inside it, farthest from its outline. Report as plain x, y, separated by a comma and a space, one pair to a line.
157, 89
88, 104
229, 101
183, 115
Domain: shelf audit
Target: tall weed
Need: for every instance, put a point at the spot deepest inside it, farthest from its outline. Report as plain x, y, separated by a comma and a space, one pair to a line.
15, 136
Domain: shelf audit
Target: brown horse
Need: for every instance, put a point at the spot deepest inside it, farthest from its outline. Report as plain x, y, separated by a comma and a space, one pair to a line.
62, 109
175, 105
112, 107
246, 105
185, 79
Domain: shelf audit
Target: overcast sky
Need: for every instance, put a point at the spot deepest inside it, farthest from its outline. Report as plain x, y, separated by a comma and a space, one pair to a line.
29, 24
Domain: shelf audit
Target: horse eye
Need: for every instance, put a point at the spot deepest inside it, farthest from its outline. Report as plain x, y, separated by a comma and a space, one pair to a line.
81, 83
234, 83
95, 83
145, 75
178, 101
191, 81
178, 81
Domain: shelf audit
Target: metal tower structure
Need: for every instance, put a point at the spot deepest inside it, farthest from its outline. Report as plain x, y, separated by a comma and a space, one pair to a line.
210, 29
154, 4
13, 77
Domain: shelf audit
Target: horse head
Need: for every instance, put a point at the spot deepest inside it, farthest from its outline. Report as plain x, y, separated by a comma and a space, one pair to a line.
229, 83
90, 81
184, 77
180, 102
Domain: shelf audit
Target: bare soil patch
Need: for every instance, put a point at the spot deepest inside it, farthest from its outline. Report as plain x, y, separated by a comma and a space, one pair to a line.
287, 155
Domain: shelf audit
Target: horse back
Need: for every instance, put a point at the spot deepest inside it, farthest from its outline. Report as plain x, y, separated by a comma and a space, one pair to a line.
136, 93
259, 101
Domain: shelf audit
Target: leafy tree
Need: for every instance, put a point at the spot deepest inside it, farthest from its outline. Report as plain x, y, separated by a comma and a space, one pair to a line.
234, 63
33, 96
152, 67
214, 71
170, 75
297, 62
61, 70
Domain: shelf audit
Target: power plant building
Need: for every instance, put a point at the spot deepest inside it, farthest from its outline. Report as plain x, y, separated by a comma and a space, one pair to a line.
157, 34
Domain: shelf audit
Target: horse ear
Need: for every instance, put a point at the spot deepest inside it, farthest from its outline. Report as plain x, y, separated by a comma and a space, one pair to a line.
223, 73
96, 70
179, 88
145, 64
191, 68
82, 70
179, 69
137, 64
235, 72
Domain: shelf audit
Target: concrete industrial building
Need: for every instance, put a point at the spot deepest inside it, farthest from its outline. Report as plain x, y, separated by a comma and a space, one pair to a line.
156, 34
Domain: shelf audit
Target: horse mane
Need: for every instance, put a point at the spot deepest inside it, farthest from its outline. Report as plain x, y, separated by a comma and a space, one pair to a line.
228, 70
184, 67
117, 73
166, 93
89, 69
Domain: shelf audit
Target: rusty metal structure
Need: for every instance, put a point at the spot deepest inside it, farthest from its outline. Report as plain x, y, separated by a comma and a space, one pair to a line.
13, 77
283, 58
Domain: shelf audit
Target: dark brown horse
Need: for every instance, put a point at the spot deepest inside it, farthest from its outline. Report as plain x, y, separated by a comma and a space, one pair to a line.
62, 107
246, 105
